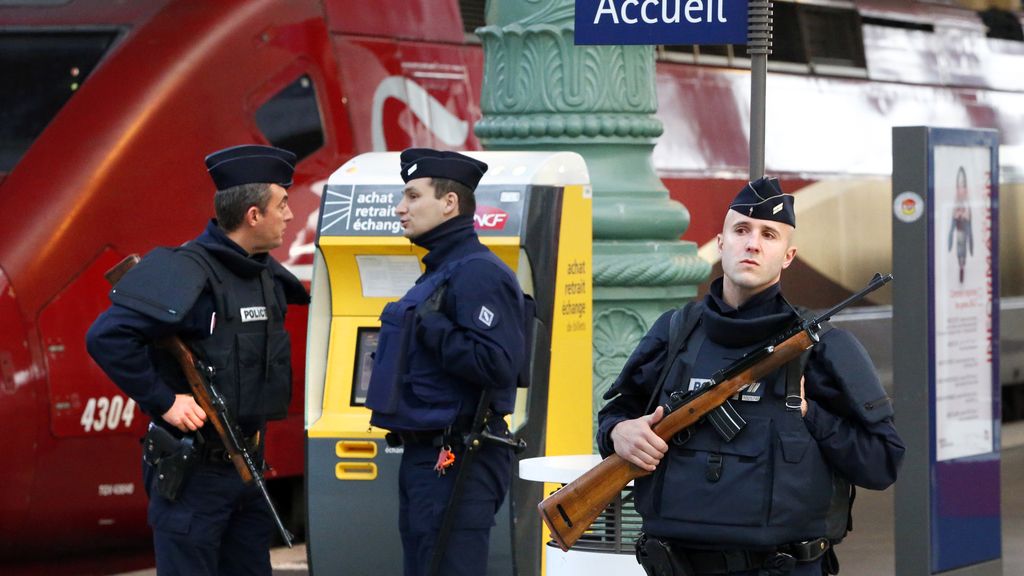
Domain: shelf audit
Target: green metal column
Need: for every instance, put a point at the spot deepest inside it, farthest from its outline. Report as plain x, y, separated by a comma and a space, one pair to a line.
541, 92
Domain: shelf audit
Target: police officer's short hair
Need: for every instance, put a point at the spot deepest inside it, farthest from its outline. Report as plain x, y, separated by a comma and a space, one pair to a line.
231, 204
467, 201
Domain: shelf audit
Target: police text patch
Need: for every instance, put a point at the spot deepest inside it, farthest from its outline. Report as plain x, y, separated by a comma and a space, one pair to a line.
698, 384
254, 314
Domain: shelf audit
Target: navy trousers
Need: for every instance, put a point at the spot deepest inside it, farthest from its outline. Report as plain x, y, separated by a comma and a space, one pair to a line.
423, 496
217, 526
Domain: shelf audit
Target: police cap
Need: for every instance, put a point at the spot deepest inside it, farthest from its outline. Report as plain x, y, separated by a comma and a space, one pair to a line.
430, 163
250, 164
763, 199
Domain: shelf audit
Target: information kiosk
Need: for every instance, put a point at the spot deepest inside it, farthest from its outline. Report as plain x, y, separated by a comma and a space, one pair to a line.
534, 212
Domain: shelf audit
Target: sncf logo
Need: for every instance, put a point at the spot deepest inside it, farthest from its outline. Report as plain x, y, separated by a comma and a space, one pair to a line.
489, 218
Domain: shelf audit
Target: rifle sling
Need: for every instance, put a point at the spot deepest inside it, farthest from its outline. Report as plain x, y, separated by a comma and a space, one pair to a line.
681, 325
448, 521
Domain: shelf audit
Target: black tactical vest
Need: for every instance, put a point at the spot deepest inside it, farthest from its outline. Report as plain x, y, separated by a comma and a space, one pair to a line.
248, 347
768, 486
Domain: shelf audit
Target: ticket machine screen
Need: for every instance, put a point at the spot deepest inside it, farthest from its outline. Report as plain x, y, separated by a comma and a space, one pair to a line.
366, 345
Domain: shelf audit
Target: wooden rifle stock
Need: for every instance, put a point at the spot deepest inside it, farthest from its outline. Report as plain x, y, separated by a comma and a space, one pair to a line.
570, 511
187, 361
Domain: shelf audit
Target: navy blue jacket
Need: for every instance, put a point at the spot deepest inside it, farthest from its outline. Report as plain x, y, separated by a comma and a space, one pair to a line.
119, 339
863, 447
471, 339
460, 341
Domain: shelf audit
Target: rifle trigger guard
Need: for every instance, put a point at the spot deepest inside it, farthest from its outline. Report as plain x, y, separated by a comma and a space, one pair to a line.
682, 437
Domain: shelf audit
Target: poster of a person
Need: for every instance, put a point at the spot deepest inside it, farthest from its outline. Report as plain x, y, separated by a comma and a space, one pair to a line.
962, 265
960, 224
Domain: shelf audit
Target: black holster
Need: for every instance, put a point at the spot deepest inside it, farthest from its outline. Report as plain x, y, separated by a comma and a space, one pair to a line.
657, 559
173, 459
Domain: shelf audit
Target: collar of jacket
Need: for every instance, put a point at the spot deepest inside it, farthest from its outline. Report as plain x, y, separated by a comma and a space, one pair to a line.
233, 256
756, 320
445, 240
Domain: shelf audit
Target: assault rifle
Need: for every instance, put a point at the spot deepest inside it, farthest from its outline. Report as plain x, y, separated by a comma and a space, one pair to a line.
199, 377
570, 511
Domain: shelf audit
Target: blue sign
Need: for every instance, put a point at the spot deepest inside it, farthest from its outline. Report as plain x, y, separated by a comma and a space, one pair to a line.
671, 22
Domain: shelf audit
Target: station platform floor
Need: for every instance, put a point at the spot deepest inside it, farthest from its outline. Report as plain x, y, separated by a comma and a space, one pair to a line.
868, 550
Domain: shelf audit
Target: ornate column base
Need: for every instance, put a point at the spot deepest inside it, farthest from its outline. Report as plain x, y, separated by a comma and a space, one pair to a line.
634, 283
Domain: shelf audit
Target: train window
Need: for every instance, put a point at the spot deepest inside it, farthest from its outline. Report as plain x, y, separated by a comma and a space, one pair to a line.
802, 34
832, 35
1002, 24
787, 41
472, 16
902, 24
291, 119
42, 71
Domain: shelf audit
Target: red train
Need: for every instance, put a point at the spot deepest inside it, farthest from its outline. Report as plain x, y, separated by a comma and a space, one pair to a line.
107, 110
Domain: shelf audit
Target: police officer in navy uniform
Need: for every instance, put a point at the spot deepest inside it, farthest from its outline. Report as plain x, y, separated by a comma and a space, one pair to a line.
226, 298
457, 333
775, 497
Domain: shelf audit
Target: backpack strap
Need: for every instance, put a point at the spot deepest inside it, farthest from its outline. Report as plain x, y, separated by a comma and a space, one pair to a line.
682, 323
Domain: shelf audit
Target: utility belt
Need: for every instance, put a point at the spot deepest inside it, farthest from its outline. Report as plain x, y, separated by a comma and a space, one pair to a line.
667, 558
214, 451
451, 436
454, 436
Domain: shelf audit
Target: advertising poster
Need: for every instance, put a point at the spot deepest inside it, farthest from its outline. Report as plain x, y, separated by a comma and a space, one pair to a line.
962, 233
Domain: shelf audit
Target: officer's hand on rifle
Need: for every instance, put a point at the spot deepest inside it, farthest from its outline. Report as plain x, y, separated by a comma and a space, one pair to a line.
185, 414
636, 443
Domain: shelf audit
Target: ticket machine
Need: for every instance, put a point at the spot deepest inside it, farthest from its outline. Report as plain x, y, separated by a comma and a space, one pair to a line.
534, 212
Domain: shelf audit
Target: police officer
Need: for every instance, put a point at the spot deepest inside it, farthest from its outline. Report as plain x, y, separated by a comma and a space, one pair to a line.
775, 497
226, 298
457, 334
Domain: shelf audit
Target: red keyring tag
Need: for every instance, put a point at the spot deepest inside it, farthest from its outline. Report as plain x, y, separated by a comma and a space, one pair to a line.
445, 460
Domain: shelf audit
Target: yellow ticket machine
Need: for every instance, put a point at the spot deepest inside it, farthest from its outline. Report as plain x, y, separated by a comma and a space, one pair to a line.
534, 212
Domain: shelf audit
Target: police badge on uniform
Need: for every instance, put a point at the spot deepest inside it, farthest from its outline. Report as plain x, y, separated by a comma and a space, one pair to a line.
751, 392
485, 318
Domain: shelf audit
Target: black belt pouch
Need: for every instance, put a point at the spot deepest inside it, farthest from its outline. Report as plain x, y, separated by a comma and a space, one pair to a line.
173, 459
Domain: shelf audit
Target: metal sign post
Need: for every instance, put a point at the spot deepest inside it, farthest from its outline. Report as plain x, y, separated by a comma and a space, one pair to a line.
759, 46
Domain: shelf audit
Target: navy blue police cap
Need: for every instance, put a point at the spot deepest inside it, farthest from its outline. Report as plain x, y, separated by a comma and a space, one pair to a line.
250, 164
430, 163
763, 199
